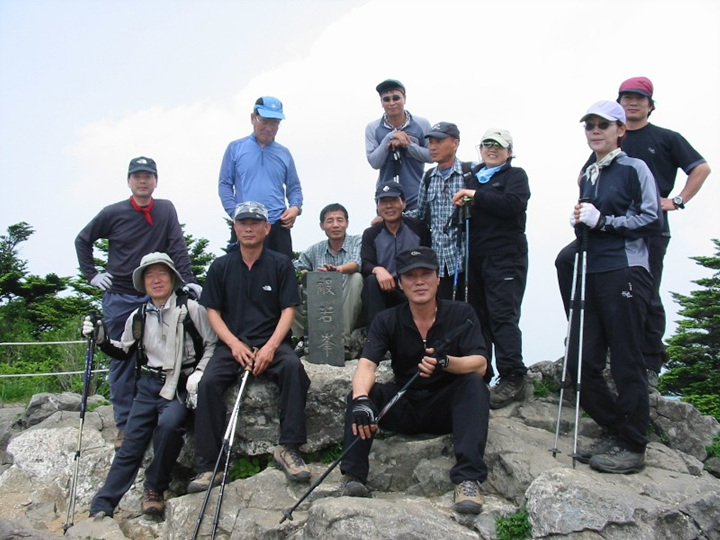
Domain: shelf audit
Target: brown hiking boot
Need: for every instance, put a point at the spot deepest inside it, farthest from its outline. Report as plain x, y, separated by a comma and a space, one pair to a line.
119, 438
153, 503
202, 481
289, 461
468, 499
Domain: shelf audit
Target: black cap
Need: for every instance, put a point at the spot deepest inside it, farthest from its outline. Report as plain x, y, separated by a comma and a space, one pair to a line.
389, 189
417, 257
442, 130
389, 84
142, 164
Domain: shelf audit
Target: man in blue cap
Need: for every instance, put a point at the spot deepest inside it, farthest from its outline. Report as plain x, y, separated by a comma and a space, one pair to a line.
256, 168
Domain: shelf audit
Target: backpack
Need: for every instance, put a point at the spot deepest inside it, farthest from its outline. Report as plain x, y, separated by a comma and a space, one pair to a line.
468, 171
138, 331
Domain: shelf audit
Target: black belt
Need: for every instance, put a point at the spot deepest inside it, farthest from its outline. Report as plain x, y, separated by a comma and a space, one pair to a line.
156, 373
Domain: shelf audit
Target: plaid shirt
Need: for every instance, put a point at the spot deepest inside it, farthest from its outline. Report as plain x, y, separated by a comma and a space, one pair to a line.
320, 254
437, 199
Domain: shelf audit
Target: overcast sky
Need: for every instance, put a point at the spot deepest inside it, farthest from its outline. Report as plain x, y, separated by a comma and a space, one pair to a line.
87, 85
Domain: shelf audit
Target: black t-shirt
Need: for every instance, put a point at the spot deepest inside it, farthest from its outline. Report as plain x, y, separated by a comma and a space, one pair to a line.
394, 330
250, 299
664, 151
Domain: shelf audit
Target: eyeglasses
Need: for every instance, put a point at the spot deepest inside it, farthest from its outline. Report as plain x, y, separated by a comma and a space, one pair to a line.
160, 274
394, 97
491, 144
589, 126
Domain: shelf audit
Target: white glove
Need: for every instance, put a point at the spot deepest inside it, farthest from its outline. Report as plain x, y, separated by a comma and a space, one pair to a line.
102, 281
195, 290
88, 330
589, 215
572, 219
192, 388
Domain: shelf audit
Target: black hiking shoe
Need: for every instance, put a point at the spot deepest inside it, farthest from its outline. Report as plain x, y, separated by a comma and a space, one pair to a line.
153, 503
619, 461
603, 445
508, 390
351, 486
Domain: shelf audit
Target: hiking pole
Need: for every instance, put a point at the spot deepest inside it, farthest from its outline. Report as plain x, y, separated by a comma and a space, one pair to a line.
397, 163
583, 279
439, 348
573, 293
466, 210
89, 361
228, 439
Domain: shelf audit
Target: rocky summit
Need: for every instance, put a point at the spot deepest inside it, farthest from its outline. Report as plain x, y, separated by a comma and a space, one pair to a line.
676, 496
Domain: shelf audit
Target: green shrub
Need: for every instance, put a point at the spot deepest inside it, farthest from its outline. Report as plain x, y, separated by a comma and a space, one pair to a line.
247, 466
513, 526
714, 449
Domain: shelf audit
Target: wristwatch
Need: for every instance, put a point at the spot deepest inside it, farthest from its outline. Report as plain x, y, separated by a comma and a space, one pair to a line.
678, 202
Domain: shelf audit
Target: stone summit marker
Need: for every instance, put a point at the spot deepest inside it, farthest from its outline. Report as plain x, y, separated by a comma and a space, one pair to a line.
325, 318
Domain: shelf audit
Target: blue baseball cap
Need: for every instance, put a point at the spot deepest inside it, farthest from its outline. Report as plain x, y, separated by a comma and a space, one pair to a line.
269, 107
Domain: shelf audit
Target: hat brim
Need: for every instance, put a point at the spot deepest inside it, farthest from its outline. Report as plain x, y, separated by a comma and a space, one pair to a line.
139, 280
601, 115
635, 91
145, 168
438, 135
414, 265
269, 113
249, 215
501, 142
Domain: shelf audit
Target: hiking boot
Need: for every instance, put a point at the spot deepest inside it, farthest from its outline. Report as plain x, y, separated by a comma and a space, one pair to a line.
99, 516
153, 503
468, 499
619, 460
653, 379
291, 463
506, 391
202, 482
603, 445
351, 486
119, 438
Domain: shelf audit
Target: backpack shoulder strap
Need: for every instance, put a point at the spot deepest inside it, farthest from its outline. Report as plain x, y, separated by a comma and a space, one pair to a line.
190, 329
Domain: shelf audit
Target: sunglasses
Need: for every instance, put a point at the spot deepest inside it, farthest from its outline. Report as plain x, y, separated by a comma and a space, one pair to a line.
491, 144
589, 126
394, 97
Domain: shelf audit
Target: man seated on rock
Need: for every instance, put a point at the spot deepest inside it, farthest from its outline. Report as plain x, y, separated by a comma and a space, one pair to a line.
380, 245
176, 341
450, 400
250, 295
339, 253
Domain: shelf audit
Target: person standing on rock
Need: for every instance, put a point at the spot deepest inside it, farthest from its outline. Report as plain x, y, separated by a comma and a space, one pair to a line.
450, 400
250, 295
133, 227
619, 209
171, 366
498, 194
395, 143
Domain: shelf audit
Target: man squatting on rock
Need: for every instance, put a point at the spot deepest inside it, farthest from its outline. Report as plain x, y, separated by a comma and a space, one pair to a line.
168, 356
454, 399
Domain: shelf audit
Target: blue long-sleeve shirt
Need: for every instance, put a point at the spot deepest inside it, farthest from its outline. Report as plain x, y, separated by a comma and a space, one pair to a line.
267, 175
